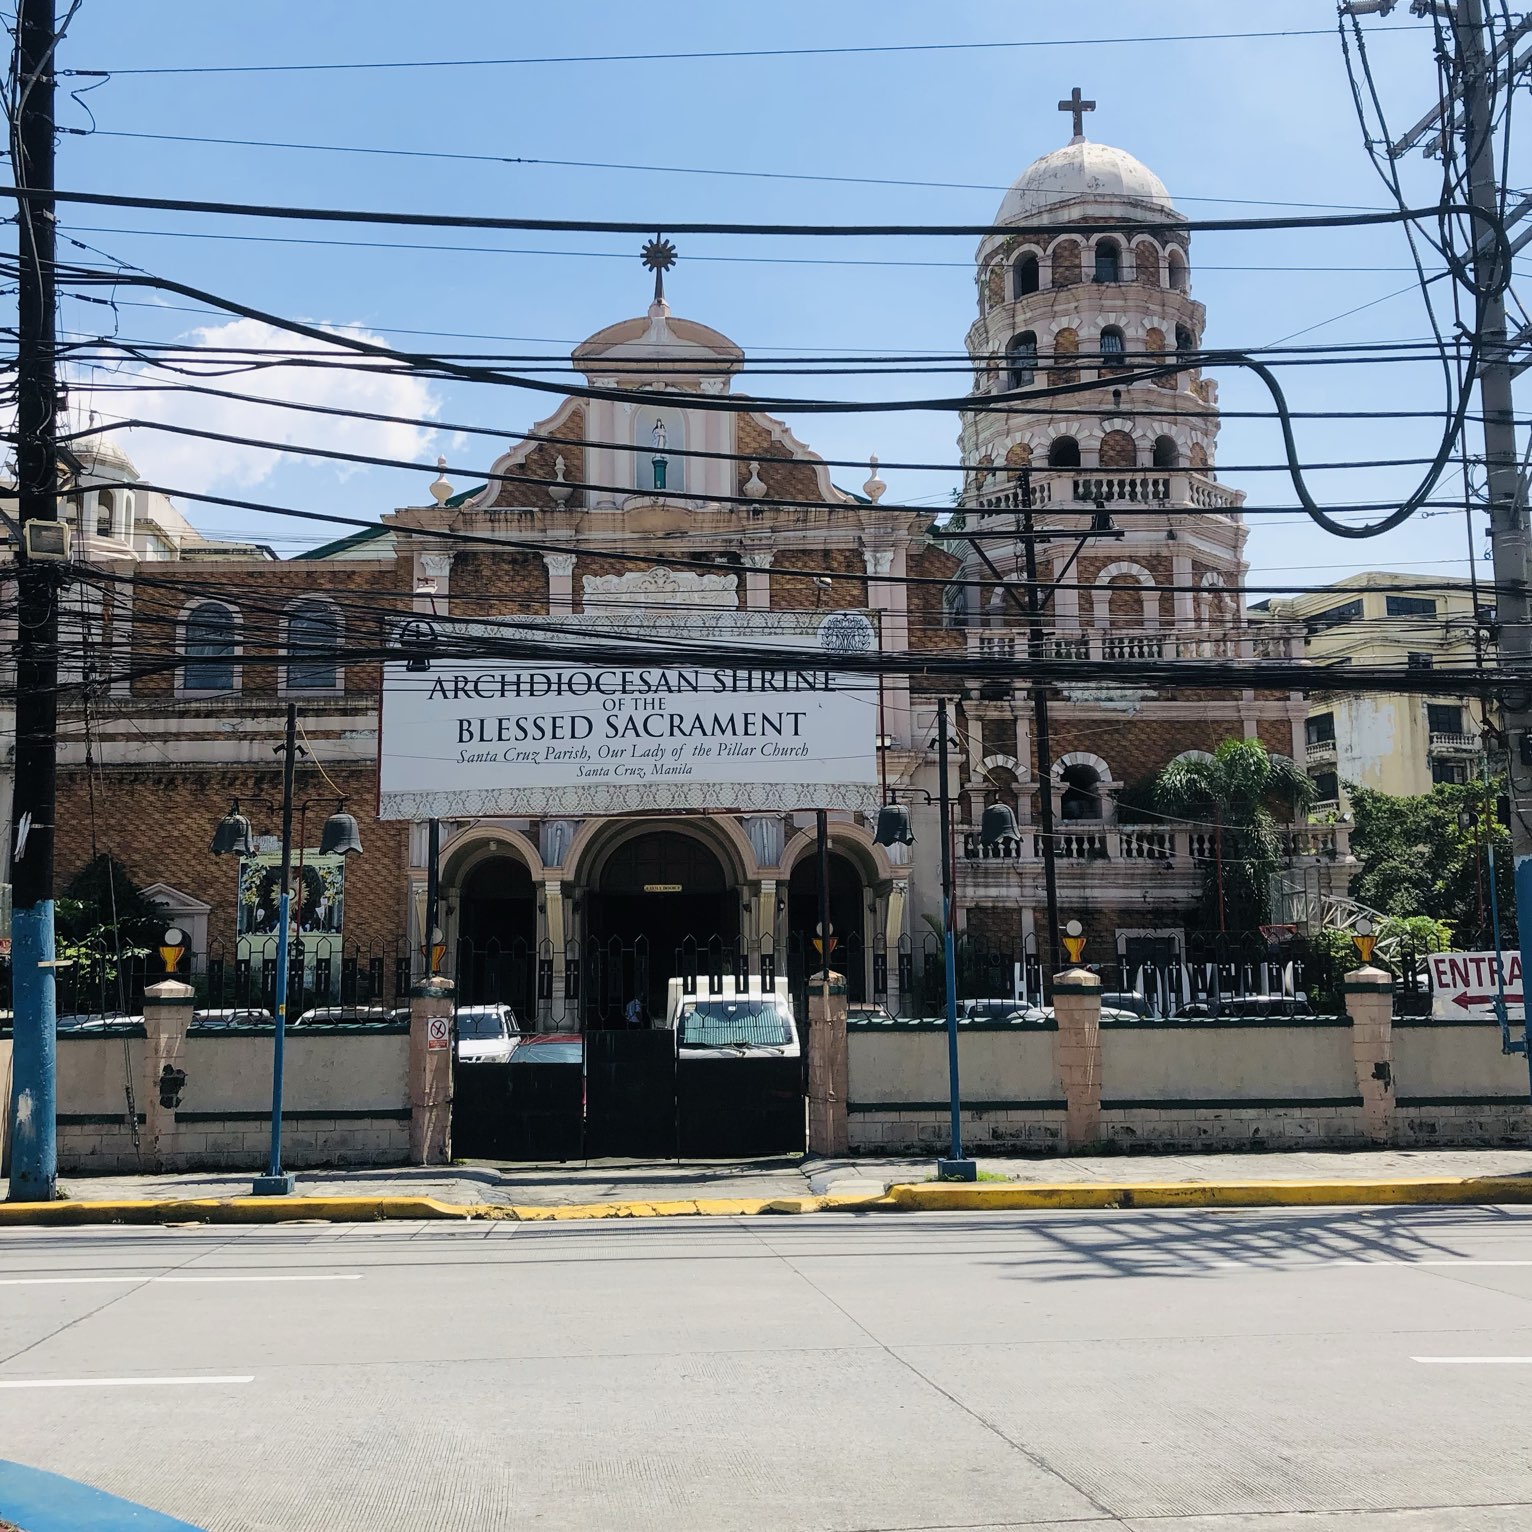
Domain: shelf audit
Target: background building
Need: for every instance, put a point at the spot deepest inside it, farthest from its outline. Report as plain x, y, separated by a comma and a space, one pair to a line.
1395, 742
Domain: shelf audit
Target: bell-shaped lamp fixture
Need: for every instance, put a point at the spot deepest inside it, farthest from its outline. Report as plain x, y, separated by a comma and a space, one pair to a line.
998, 824
894, 826
340, 836
233, 835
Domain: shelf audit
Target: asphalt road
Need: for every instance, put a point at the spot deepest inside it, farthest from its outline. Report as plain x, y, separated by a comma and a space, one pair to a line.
1196, 1372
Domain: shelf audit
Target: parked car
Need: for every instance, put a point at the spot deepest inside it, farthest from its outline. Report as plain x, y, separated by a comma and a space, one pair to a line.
863, 1011
1016, 1011
1248, 1007
1126, 1000
550, 1048
747, 1023
486, 1034
236, 1016
335, 1015
97, 1021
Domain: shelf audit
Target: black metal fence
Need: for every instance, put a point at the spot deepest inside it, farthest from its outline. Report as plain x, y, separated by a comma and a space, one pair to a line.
323, 971
592, 985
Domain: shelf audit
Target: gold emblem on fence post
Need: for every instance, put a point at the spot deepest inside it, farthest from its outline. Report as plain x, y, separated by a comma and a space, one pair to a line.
1074, 940
1364, 939
172, 945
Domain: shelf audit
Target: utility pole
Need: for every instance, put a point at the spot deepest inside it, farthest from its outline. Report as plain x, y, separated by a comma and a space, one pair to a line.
1507, 509
33, 1105
1043, 743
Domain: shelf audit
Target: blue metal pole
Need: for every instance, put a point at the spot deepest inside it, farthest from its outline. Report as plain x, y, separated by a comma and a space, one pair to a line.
276, 1183
955, 1165
1524, 937
34, 1141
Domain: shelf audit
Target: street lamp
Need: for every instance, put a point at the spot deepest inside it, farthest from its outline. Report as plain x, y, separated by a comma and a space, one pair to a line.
894, 829
339, 837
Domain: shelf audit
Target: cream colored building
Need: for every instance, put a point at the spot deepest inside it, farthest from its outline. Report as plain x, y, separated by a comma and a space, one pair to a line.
1398, 742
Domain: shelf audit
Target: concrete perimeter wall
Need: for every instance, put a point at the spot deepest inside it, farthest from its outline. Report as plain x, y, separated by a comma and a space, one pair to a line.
345, 1100
1277, 1083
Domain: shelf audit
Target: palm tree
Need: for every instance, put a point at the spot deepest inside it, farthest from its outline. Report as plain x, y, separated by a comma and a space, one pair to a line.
1233, 792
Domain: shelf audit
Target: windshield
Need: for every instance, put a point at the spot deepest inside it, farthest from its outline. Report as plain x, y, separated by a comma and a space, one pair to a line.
758, 1023
572, 1052
479, 1025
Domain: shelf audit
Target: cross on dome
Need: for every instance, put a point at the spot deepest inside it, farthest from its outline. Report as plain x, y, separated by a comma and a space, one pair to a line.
1079, 108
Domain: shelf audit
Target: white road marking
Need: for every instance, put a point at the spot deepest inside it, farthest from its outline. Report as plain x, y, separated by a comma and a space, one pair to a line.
118, 1382
354, 1276
1474, 1361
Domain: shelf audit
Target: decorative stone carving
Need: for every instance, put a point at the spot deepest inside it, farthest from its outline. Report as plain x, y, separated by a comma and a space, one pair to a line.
558, 491
765, 833
759, 560
663, 587
874, 487
755, 487
436, 566
560, 565
879, 561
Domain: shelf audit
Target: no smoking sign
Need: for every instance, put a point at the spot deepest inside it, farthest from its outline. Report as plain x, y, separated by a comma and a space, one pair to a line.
438, 1034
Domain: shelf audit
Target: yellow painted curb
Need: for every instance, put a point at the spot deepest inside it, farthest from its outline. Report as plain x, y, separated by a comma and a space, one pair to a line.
370, 1209
927, 1196
935, 1196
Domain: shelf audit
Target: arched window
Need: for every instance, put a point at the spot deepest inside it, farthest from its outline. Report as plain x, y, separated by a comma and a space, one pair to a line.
1021, 360
1028, 276
1082, 793
1114, 348
313, 643
1186, 343
1177, 264
1108, 260
106, 510
1063, 452
209, 648
1166, 453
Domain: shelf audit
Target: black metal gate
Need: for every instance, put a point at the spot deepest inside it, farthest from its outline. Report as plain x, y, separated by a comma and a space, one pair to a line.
739, 1108
501, 1112
630, 1103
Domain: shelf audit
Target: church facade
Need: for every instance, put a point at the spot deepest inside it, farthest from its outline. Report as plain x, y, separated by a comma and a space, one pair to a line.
690, 506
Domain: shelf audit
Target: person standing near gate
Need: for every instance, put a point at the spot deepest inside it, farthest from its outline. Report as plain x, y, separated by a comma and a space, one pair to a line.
634, 1012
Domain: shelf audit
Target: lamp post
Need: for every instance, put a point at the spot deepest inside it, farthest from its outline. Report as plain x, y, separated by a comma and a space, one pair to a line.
894, 829
233, 835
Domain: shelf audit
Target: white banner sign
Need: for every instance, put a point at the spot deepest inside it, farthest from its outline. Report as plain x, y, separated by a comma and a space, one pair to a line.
509, 737
1464, 985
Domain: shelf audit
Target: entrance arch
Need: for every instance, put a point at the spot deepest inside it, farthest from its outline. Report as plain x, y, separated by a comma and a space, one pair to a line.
656, 904
497, 936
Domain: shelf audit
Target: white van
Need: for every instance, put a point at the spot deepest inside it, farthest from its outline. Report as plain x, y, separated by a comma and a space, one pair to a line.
739, 1023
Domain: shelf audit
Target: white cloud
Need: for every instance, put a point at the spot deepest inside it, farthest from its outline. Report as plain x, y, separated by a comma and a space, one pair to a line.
193, 464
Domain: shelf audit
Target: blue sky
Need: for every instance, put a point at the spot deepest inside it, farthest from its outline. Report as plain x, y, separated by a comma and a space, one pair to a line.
1267, 119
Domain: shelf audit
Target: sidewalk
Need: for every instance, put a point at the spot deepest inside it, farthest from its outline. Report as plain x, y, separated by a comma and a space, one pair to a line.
632, 1188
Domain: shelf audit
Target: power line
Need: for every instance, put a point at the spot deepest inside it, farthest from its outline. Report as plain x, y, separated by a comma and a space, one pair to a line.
679, 170
353, 66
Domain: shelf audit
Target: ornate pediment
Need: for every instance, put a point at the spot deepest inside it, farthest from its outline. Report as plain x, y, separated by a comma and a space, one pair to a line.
663, 587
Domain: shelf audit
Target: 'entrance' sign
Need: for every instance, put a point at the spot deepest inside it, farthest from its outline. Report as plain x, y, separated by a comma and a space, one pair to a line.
513, 737
1464, 984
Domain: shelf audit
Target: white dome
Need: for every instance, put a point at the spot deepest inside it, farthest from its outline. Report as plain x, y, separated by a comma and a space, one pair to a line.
1083, 172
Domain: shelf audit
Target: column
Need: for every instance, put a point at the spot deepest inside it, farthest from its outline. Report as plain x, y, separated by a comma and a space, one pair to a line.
886, 595
430, 1069
167, 1015
1077, 1048
1370, 1004
551, 1013
560, 583
436, 567
758, 581
829, 1066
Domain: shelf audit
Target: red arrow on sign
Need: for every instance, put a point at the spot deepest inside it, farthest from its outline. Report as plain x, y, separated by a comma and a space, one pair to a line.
1465, 999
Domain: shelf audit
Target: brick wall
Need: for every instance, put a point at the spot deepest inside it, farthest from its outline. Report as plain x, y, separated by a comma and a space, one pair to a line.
159, 823
499, 584
569, 428
786, 478
846, 568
